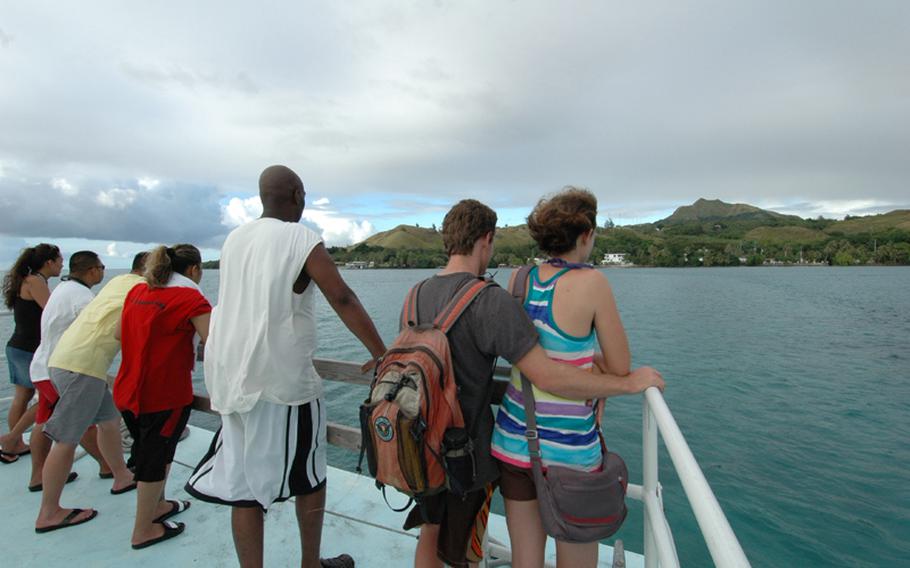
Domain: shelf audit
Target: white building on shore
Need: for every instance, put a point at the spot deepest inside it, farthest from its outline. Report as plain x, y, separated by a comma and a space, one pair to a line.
614, 258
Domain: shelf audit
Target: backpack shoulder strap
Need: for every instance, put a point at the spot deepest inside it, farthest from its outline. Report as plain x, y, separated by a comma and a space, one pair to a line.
519, 283
409, 311
460, 302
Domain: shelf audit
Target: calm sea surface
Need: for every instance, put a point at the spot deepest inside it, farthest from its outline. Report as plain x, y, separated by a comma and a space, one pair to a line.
791, 386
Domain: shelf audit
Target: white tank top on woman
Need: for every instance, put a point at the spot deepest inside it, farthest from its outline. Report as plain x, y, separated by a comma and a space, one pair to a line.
263, 335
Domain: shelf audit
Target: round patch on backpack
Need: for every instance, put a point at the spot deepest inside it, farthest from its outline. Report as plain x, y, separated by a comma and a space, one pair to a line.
383, 428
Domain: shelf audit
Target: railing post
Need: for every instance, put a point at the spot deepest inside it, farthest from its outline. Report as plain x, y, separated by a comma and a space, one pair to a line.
649, 478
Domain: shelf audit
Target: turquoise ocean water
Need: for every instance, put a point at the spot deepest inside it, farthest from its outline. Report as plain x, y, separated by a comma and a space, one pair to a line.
791, 386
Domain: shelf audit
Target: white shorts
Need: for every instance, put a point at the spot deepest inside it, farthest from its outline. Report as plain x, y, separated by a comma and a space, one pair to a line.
263, 456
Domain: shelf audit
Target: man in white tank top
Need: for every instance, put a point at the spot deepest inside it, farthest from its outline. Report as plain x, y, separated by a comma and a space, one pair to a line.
260, 376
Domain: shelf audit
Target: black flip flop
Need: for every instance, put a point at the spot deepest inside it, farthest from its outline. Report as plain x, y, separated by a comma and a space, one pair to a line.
170, 531
40, 486
66, 521
123, 490
177, 507
7, 458
108, 475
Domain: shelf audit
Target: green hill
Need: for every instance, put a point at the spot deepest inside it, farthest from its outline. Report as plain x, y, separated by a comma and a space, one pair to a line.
898, 219
715, 209
779, 235
407, 237
512, 237
418, 238
708, 232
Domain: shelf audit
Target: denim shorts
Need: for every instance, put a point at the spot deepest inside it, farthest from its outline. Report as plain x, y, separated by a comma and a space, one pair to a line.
19, 361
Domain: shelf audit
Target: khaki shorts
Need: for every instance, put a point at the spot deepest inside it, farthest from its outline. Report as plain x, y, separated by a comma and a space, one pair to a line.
83, 401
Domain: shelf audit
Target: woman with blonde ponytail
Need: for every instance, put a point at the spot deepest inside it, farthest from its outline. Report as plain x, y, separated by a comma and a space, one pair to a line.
154, 388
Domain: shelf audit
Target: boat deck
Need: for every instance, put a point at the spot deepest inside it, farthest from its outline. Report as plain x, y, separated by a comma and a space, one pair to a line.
357, 522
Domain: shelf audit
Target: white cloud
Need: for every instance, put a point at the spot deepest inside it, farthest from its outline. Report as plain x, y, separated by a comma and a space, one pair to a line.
116, 198
148, 183
837, 209
321, 201
66, 187
335, 230
239, 211
338, 231
112, 250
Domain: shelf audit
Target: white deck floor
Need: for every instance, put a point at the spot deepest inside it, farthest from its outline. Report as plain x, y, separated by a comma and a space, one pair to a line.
357, 522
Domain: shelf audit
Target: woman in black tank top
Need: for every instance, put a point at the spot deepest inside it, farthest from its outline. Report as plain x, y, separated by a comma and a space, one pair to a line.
25, 292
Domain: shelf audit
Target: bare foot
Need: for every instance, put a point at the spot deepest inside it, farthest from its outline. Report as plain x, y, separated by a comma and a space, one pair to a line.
12, 444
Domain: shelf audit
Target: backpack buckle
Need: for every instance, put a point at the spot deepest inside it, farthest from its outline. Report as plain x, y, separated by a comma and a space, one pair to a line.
531, 434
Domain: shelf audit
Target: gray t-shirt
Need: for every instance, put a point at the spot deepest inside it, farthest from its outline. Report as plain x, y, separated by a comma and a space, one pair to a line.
494, 325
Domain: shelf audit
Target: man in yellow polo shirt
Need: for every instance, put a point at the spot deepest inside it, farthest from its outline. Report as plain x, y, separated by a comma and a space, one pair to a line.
78, 368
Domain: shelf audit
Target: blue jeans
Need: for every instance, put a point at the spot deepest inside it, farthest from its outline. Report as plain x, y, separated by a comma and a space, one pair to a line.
19, 362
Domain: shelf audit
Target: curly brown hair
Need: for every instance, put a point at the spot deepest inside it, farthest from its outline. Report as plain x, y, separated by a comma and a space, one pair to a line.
558, 220
30, 261
466, 222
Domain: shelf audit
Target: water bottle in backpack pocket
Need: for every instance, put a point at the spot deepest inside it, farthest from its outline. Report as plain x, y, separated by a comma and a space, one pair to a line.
458, 454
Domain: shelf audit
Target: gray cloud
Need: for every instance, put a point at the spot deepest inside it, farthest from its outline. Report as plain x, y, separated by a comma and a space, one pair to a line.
167, 213
798, 105
189, 78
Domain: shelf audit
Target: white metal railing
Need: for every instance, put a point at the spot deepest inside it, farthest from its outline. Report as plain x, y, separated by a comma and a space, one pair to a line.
660, 549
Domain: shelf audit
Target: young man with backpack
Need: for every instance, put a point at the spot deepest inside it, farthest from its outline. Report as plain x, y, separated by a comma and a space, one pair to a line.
493, 325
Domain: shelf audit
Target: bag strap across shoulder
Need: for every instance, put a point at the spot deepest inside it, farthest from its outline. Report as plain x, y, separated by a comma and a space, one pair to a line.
517, 288
409, 313
519, 284
452, 311
460, 302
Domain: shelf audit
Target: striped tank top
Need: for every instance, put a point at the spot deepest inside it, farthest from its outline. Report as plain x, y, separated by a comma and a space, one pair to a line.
567, 428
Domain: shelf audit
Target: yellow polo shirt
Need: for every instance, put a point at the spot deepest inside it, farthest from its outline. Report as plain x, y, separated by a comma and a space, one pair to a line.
88, 345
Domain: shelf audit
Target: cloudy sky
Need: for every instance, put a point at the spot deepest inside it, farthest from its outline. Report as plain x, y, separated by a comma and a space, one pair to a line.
128, 124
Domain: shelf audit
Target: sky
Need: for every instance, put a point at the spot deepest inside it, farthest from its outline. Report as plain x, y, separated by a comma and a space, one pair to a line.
123, 126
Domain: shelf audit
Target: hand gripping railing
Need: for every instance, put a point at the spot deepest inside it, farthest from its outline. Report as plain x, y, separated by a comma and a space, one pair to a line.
659, 547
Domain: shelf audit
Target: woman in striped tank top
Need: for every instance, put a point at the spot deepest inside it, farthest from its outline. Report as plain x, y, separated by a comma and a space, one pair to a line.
573, 308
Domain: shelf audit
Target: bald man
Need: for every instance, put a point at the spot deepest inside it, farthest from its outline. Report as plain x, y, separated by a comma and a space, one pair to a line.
260, 376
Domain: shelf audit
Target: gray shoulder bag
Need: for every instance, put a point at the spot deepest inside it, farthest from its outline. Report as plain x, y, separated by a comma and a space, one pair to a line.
575, 506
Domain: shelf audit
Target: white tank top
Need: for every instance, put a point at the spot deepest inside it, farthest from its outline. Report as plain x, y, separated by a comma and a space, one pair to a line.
262, 335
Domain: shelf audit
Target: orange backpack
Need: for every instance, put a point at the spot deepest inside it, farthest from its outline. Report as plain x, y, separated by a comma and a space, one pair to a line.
413, 401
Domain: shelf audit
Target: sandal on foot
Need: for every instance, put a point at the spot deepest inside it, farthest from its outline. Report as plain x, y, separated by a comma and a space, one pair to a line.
342, 561
40, 486
170, 531
7, 458
123, 490
108, 475
68, 521
177, 507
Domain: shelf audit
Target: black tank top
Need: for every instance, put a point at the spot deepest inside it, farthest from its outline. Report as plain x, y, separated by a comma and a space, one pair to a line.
27, 334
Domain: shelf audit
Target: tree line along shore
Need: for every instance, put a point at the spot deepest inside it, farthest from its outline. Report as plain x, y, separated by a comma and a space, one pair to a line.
706, 233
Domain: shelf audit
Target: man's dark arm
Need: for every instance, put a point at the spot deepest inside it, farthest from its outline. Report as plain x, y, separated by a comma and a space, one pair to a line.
322, 270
